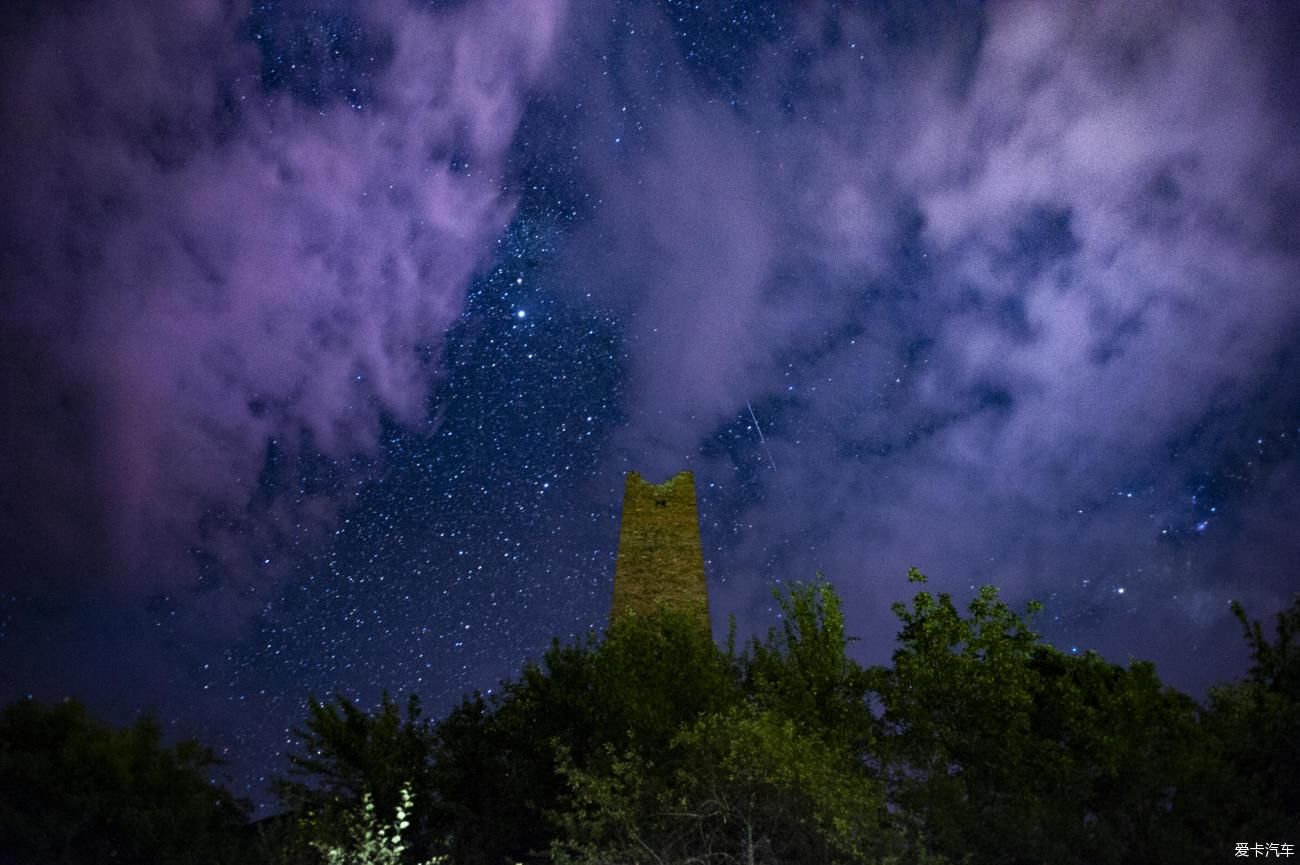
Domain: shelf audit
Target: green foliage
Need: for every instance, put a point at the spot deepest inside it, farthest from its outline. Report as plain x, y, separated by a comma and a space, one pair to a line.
803, 672
978, 744
348, 756
497, 774
604, 818
484, 767
639, 686
755, 761
767, 740
1253, 733
1002, 749
76, 791
370, 841
748, 786
795, 795
985, 746
1275, 666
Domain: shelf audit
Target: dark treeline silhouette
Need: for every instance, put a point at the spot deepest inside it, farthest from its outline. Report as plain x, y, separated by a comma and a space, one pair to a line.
977, 744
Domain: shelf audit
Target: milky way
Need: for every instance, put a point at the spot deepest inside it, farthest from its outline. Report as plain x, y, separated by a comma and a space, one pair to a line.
329, 330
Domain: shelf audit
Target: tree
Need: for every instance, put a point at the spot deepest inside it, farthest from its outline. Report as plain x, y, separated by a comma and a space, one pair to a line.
493, 782
1249, 782
802, 671
748, 786
653, 675
794, 793
73, 790
372, 842
347, 755
1001, 749
497, 765
773, 771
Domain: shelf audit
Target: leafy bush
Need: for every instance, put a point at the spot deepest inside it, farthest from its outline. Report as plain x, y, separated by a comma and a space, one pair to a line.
77, 791
370, 842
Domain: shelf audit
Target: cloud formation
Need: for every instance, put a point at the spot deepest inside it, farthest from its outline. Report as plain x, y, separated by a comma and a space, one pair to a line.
194, 267
978, 271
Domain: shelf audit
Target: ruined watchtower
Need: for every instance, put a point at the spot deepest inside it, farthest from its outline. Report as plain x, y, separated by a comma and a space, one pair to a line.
660, 561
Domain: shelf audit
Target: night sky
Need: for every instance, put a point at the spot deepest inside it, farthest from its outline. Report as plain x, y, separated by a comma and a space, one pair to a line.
328, 331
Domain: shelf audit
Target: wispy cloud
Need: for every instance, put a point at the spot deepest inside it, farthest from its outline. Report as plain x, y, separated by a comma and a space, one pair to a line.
981, 274
194, 268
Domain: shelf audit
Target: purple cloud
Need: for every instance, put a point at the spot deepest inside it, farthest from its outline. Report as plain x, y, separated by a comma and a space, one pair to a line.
193, 268
983, 285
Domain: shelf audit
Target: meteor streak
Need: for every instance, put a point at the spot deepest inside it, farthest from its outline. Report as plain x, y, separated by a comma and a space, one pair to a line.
761, 440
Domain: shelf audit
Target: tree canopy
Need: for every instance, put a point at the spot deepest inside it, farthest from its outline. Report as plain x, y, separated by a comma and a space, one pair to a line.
77, 791
978, 743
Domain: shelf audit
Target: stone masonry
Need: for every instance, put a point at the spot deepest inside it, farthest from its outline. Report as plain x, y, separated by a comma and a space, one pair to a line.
660, 561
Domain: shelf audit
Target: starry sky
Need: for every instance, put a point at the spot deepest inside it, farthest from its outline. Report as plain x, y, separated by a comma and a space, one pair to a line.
329, 329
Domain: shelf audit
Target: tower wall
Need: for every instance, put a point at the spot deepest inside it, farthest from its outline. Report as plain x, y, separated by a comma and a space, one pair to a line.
660, 560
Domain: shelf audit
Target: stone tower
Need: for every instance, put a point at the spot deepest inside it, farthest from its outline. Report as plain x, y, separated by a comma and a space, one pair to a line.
660, 561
